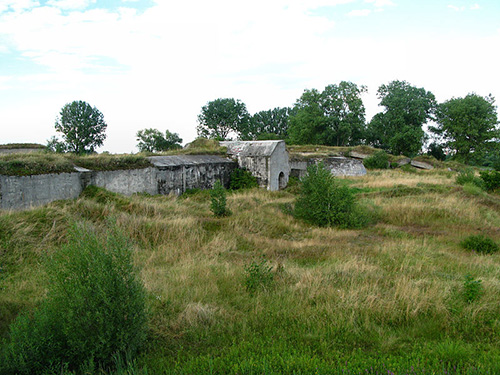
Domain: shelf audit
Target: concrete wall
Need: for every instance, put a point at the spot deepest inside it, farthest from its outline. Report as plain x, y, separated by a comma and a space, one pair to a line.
339, 166
21, 192
170, 174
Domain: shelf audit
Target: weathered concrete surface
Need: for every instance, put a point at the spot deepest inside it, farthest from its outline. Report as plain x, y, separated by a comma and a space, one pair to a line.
267, 160
338, 165
404, 161
21, 192
176, 174
126, 182
421, 165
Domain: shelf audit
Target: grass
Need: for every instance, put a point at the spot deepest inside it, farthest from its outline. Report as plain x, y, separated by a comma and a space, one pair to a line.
387, 298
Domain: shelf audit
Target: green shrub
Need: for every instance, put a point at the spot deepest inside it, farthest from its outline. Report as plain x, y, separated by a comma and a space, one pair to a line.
467, 176
93, 312
323, 201
218, 200
379, 160
480, 244
242, 179
472, 289
259, 275
491, 180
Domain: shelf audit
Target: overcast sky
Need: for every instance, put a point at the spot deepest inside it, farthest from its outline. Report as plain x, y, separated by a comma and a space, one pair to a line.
155, 63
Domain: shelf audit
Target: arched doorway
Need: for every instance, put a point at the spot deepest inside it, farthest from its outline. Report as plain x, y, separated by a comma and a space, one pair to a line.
281, 181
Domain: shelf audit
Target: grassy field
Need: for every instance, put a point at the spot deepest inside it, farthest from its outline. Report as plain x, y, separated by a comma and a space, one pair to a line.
260, 292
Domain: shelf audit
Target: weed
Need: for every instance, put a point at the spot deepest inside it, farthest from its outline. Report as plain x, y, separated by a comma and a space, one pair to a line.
242, 179
258, 275
480, 244
379, 160
491, 180
467, 175
472, 289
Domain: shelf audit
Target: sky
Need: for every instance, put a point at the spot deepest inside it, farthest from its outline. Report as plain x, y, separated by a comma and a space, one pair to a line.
155, 63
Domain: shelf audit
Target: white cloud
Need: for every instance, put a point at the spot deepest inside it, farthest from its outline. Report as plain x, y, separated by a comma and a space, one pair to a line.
475, 7
359, 13
380, 3
70, 4
456, 9
17, 5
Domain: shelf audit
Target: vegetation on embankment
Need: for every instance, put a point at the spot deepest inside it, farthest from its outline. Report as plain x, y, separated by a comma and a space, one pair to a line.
13, 146
262, 292
44, 162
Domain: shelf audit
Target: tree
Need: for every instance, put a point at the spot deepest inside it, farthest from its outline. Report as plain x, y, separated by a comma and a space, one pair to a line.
151, 140
334, 117
82, 127
220, 117
468, 125
271, 124
399, 128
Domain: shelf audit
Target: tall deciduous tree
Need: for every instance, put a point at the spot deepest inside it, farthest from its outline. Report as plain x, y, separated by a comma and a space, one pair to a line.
82, 127
333, 117
220, 117
271, 124
151, 140
468, 125
398, 129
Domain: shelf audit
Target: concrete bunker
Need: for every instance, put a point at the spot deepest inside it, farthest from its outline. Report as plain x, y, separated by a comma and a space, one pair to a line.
266, 160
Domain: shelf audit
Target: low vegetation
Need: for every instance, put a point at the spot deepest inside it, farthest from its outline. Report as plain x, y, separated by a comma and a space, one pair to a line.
262, 292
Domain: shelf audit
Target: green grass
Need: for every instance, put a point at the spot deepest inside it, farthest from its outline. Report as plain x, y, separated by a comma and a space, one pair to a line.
386, 298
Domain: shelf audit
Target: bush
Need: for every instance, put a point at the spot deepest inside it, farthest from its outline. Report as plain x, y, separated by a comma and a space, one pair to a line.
242, 179
467, 176
218, 200
322, 201
94, 310
491, 180
480, 244
379, 160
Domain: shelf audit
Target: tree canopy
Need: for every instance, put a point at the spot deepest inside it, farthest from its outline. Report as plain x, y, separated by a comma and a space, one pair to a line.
152, 140
82, 127
334, 117
271, 124
398, 129
220, 117
468, 125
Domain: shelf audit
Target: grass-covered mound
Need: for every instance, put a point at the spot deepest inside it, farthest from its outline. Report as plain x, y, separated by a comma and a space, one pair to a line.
262, 292
13, 146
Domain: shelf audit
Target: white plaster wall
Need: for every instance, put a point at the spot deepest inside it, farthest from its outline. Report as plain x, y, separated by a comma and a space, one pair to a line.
279, 163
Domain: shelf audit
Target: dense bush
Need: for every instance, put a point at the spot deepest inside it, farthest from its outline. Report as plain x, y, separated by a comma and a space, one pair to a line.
242, 179
480, 244
491, 180
323, 201
94, 310
379, 160
218, 200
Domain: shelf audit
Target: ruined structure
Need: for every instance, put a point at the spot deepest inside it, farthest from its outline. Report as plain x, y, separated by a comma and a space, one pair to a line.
266, 160
338, 165
169, 174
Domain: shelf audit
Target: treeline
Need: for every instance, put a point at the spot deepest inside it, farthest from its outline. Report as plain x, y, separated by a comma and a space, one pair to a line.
465, 128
